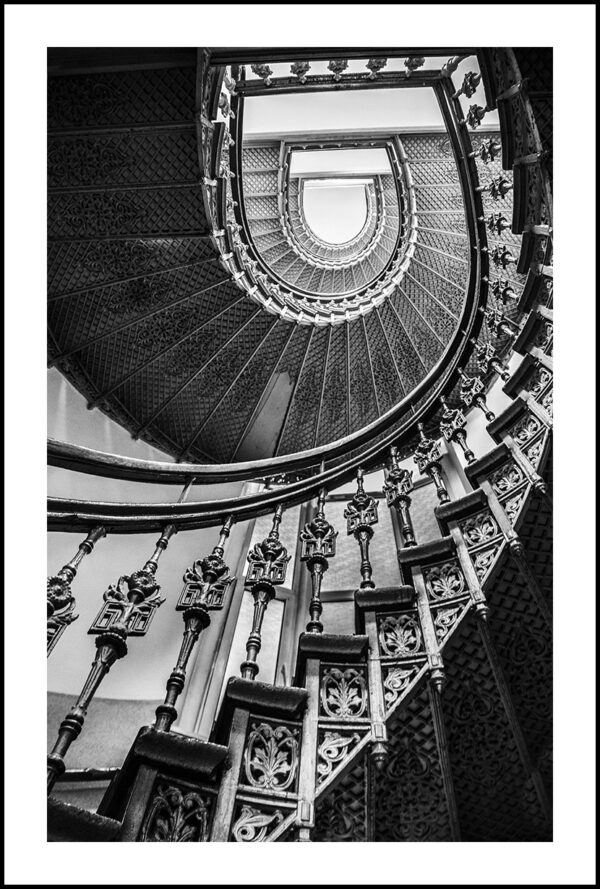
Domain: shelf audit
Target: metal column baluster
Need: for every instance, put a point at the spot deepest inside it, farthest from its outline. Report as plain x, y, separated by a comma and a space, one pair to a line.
268, 566
318, 546
206, 585
360, 514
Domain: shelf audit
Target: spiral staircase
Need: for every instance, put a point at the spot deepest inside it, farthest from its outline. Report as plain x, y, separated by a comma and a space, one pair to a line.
190, 300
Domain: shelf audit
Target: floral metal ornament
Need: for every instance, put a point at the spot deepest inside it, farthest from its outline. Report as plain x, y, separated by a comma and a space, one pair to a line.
489, 150
501, 256
334, 749
427, 456
337, 68
499, 188
396, 682
300, 70
264, 72
175, 817
252, 825
502, 290
271, 756
412, 63
375, 66
400, 635
469, 86
497, 322
344, 693
479, 528
475, 115
444, 581
488, 359
496, 223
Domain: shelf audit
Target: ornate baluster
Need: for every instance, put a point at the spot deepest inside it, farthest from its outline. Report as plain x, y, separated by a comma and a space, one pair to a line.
498, 323
360, 514
412, 63
318, 546
61, 602
127, 611
264, 72
268, 566
300, 70
487, 357
453, 427
469, 86
397, 489
427, 456
206, 585
470, 393
375, 66
337, 67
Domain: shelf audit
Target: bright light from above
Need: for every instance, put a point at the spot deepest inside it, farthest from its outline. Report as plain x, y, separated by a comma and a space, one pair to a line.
335, 209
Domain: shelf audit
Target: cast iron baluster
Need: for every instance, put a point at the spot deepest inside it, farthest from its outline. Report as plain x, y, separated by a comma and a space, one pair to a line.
502, 291
300, 70
61, 602
453, 427
397, 489
264, 72
318, 546
268, 566
471, 393
128, 611
360, 514
427, 456
206, 584
375, 66
498, 323
487, 358
412, 63
469, 86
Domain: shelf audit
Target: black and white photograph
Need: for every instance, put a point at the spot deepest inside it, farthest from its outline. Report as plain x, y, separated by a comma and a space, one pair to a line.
299, 443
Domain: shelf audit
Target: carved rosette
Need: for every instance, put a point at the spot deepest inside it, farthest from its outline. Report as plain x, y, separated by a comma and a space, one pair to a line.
271, 756
344, 693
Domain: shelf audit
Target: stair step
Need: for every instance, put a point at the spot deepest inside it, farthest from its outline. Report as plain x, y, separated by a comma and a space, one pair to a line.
71, 824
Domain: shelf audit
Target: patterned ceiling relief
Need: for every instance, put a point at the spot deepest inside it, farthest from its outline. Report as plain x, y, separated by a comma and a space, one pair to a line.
148, 319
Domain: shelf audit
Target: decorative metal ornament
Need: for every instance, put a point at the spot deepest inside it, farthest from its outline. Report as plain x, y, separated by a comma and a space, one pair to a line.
475, 115
427, 456
453, 427
469, 86
489, 150
360, 514
264, 72
300, 70
375, 66
337, 68
318, 546
499, 188
397, 489
271, 757
412, 63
